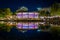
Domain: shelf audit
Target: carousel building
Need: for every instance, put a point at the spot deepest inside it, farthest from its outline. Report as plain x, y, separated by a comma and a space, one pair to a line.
24, 15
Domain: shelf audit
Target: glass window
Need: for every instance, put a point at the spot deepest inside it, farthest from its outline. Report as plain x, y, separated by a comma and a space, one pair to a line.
36, 15
25, 15
19, 15
31, 15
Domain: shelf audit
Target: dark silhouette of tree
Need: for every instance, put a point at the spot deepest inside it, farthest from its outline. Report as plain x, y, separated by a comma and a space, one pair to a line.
55, 8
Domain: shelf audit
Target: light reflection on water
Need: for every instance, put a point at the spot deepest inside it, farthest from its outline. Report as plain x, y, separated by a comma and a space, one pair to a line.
27, 25
23, 25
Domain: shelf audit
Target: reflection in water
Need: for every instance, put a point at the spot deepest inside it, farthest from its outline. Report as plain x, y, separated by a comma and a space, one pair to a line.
23, 25
27, 25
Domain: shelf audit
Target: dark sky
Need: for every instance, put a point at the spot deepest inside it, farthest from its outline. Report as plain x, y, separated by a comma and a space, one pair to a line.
31, 4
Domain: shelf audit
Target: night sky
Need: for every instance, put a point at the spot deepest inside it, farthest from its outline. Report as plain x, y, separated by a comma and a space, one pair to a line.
31, 4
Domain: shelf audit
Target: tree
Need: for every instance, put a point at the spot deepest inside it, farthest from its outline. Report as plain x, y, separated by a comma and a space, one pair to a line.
43, 11
2, 12
55, 31
55, 9
5, 27
8, 11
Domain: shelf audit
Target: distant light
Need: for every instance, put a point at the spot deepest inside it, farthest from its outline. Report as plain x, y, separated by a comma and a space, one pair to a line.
11, 23
41, 22
38, 30
2, 22
11, 17
39, 8
41, 17
23, 31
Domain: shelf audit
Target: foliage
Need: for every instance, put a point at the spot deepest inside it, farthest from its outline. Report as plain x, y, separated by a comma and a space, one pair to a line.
55, 9
4, 12
8, 11
44, 13
55, 30
4, 27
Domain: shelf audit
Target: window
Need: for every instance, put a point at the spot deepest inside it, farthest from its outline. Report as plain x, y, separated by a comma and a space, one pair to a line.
19, 15
31, 15
27, 15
